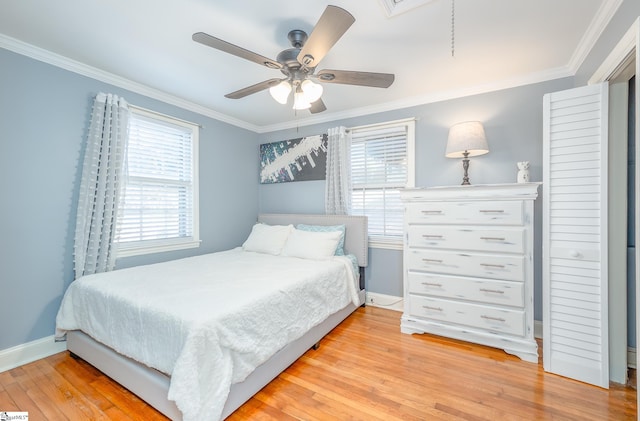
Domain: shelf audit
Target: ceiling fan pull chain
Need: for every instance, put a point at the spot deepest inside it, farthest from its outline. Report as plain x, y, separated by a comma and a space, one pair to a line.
453, 22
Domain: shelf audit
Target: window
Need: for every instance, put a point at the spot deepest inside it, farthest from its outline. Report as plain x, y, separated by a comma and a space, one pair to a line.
382, 163
160, 205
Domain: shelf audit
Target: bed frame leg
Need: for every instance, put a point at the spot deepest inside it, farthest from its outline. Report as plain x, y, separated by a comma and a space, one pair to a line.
361, 269
316, 346
74, 356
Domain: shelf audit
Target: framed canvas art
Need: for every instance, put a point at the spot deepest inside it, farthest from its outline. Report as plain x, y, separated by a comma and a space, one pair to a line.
301, 159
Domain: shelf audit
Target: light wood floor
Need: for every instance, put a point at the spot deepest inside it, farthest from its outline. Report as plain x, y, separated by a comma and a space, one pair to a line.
364, 370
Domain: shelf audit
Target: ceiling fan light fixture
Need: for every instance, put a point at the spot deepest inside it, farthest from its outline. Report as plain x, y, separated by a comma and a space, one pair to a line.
300, 102
280, 92
298, 63
312, 91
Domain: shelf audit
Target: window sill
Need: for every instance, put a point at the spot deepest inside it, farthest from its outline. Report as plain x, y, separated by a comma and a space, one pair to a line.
157, 247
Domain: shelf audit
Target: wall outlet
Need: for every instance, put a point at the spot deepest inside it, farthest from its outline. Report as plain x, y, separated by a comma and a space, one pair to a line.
384, 301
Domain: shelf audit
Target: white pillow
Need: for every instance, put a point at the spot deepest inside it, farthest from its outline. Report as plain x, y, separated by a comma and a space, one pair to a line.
311, 245
267, 238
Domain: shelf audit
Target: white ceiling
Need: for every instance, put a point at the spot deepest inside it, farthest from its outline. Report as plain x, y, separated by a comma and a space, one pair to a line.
146, 46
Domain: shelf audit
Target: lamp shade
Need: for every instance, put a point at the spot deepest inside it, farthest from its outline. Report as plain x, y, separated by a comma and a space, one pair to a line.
466, 137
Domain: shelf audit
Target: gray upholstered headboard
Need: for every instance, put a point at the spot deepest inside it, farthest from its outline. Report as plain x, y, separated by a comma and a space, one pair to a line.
356, 239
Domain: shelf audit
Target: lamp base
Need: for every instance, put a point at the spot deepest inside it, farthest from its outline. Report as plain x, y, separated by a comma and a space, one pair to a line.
465, 166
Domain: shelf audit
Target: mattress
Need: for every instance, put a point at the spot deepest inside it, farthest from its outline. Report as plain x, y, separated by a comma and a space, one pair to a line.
207, 321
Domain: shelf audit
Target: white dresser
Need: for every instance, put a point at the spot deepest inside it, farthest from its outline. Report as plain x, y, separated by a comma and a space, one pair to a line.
468, 264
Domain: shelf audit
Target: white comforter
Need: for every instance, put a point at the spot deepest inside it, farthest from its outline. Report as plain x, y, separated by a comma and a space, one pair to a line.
209, 320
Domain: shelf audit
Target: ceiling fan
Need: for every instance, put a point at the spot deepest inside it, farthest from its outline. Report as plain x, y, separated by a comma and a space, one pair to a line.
299, 62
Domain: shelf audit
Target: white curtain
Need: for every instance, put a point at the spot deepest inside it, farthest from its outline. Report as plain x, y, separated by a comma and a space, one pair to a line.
100, 188
338, 181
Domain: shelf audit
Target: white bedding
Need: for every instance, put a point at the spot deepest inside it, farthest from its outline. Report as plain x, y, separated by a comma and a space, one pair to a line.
208, 321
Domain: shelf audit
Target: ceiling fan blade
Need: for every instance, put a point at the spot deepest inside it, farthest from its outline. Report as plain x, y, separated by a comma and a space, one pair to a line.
347, 77
253, 89
333, 23
317, 106
227, 47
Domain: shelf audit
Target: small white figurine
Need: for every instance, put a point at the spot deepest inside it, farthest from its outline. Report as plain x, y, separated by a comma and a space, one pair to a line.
523, 172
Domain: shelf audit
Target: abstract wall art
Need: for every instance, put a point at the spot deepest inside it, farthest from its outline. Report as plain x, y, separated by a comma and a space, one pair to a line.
301, 159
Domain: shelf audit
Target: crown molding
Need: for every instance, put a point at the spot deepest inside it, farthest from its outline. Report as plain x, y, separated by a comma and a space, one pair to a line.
595, 30
543, 76
66, 63
597, 26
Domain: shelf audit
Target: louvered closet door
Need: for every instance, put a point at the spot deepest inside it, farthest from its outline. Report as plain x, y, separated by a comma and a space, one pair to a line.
575, 338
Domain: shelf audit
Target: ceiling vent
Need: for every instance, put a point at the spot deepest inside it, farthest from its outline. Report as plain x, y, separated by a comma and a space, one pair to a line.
395, 7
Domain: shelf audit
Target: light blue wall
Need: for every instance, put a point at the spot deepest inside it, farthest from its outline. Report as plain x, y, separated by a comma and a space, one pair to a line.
44, 113
513, 124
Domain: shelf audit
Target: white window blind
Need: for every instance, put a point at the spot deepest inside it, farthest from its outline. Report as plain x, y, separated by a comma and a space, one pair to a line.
382, 164
159, 208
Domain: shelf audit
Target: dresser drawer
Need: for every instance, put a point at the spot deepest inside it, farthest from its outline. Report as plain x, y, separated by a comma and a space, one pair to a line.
488, 318
505, 267
485, 212
479, 290
503, 239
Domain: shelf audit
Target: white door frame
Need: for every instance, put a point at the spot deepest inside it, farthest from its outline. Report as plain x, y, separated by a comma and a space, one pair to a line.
617, 224
626, 47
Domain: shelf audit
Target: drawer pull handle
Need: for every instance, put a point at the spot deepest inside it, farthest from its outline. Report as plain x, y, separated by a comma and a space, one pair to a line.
489, 265
495, 291
431, 236
432, 284
432, 308
497, 319
492, 238
492, 210
432, 260
432, 212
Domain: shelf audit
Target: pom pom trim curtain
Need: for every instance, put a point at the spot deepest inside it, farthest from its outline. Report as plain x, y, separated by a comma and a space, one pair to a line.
101, 185
338, 174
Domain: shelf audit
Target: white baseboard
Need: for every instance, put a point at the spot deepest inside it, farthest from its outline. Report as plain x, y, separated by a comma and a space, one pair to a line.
29, 352
390, 302
631, 357
537, 329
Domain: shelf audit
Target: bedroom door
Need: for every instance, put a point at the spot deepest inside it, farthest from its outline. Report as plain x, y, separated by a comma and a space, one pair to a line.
575, 262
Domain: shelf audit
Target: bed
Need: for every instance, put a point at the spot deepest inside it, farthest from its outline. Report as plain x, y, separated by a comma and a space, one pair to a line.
189, 345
